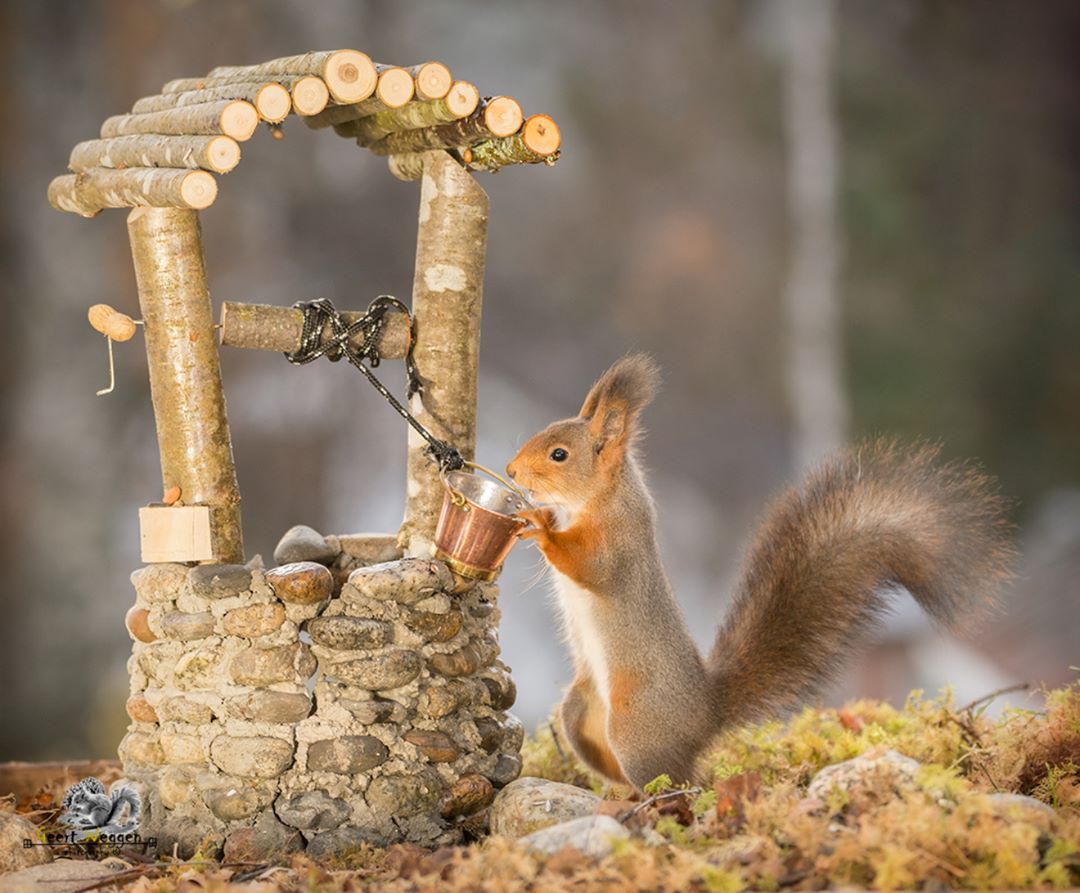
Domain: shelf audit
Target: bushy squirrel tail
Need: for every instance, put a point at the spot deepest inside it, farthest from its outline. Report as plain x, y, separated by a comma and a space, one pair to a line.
820, 571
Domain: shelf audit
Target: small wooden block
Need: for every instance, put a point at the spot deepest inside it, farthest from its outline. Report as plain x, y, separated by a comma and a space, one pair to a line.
175, 533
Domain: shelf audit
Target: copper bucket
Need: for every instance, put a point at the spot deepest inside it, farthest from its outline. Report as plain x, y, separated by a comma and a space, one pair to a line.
477, 528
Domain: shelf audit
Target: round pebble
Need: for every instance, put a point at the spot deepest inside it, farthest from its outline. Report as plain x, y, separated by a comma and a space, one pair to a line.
303, 582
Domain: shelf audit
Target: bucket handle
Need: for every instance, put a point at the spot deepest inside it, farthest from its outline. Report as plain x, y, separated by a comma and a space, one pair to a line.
458, 498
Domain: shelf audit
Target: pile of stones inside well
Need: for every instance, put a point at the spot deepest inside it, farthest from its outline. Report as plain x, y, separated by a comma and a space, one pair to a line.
347, 695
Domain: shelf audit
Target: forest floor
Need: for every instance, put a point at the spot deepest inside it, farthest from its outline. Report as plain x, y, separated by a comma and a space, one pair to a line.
991, 804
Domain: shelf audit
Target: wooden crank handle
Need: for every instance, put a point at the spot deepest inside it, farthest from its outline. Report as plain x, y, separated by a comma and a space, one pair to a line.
111, 323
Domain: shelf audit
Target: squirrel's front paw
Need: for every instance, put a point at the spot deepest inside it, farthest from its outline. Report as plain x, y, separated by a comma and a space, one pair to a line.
541, 519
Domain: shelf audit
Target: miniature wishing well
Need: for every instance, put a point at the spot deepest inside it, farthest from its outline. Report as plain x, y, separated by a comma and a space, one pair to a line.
353, 693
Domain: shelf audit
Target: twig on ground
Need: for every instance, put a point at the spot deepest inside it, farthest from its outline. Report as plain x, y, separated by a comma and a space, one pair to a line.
146, 869
1020, 686
555, 738
989, 777
970, 735
130, 875
134, 855
656, 798
251, 874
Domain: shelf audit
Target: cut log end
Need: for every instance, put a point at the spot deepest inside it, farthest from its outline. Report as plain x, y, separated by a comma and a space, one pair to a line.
89, 191
541, 134
462, 99
223, 154
273, 103
396, 87
269, 97
502, 116
493, 154
198, 190
239, 120
350, 75
310, 95
213, 153
433, 81
236, 118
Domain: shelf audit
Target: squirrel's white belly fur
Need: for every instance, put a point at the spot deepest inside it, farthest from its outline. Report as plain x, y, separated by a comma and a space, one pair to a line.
581, 630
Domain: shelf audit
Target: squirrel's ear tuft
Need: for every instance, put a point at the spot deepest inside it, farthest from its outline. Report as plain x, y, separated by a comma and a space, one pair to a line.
619, 395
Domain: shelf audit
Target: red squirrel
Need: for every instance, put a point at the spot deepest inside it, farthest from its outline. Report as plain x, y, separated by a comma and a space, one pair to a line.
816, 580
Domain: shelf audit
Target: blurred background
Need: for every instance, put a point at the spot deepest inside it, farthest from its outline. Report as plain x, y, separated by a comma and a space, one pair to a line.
824, 220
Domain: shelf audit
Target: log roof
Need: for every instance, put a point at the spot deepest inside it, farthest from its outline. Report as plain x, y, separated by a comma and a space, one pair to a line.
167, 150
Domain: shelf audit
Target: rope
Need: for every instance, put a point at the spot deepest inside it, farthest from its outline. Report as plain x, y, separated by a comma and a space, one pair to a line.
372, 324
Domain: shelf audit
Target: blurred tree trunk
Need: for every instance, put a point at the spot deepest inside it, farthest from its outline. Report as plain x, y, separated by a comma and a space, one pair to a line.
811, 300
13, 608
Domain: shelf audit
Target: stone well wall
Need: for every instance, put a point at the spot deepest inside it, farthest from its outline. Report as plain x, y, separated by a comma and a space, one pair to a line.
318, 704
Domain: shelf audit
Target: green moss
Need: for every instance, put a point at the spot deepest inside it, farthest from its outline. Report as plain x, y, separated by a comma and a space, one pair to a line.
837, 800
703, 803
544, 756
623, 847
719, 880
658, 785
942, 783
946, 830
894, 868
926, 730
672, 830
722, 769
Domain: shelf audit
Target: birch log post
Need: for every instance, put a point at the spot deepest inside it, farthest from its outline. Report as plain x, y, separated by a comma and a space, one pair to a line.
234, 118
350, 74
309, 92
87, 192
458, 103
499, 116
407, 166
447, 295
266, 327
538, 142
492, 155
194, 85
394, 90
271, 100
213, 153
185, 375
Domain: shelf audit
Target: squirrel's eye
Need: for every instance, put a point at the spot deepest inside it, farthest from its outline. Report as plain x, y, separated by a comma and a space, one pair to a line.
559, 454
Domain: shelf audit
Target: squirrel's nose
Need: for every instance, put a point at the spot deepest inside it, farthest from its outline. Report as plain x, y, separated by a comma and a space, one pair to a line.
510, 470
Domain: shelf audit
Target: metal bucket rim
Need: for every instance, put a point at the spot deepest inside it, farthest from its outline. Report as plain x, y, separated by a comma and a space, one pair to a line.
475, 506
